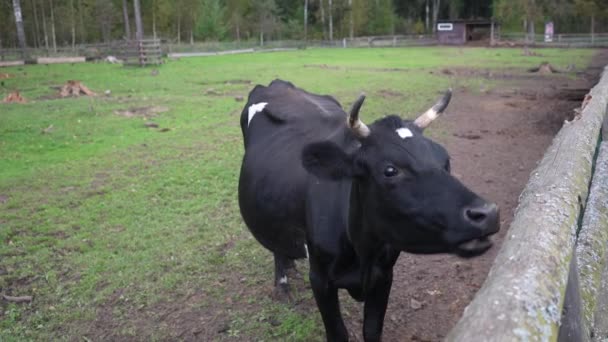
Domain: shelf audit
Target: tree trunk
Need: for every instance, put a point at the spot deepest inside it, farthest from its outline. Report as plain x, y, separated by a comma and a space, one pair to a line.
139, 30
179, 21
592, 28
453, 9
191, 37
19, 24
426, 18
305, 20
436, 5
73, 24
154, 19
323, 19
532, 31
261, 36
125, 15
44, 29
36, 24
237, 25
81, 24
331, 22
53, 28
351, 24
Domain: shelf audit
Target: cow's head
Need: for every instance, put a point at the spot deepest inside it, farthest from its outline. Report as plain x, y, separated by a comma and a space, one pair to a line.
402, 186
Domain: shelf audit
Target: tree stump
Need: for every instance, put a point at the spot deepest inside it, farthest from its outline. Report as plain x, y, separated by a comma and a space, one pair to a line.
14, 97
75, 88
544, 68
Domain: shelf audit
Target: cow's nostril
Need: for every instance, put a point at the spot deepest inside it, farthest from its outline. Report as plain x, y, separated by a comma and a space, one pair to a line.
484, 217
476, 215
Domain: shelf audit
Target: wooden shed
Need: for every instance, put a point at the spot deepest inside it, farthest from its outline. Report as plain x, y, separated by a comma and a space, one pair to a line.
459, 31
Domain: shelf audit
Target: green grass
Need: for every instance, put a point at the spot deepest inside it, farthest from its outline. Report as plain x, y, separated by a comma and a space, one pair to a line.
107, 221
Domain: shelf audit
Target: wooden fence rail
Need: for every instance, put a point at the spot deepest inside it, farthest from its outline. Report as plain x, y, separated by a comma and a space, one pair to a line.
524, 295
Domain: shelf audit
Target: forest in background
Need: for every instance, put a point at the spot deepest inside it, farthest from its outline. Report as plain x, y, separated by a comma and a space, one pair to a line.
52, 23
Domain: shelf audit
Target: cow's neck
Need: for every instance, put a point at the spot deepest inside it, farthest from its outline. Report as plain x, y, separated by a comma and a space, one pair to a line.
373, 252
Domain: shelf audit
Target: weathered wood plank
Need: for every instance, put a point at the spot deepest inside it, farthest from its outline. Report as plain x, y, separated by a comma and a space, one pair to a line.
11, 63
523, 295
58, 60
203, 54
592, 241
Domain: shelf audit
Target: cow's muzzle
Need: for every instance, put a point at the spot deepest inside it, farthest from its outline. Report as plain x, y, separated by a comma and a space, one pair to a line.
486, 219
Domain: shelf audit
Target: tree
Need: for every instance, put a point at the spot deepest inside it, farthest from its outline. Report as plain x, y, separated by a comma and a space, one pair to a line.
322, 8
235, 17
436, 6
380, 17
211, 21
72, 24
591, 9
44, 29
125, 15
331, 21
264, 12
106, 14
306, 20
53, 35
36, 28
139, 29
19, 24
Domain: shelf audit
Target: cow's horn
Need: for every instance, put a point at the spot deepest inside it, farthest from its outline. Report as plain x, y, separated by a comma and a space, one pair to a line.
357, 126
433, 113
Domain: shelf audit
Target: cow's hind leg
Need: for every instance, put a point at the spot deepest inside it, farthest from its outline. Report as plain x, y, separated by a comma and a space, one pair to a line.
281, 265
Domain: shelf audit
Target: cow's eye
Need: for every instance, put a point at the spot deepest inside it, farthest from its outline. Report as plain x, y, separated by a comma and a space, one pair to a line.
390, 171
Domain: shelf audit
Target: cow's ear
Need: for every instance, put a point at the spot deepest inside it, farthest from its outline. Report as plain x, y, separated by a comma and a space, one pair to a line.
328, 161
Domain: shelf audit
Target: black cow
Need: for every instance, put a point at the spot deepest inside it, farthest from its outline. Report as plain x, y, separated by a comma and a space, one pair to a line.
317, 181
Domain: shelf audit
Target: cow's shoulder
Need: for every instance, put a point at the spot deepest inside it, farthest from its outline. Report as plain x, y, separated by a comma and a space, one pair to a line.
283, 103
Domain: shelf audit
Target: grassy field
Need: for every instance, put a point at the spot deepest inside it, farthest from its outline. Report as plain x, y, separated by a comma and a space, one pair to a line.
122, 231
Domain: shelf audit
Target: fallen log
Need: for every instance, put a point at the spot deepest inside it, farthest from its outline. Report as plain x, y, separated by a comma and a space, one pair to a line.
18, 299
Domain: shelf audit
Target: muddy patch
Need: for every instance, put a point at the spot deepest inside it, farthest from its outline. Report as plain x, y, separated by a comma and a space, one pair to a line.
390, 93
142, 112
333, 67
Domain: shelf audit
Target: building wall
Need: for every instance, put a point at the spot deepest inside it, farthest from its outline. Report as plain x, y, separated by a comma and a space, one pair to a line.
456, 36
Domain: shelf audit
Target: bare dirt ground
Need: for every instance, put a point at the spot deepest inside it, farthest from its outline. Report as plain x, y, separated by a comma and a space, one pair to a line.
495, 139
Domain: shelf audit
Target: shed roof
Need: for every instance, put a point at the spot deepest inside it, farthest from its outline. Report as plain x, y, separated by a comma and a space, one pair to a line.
468, 21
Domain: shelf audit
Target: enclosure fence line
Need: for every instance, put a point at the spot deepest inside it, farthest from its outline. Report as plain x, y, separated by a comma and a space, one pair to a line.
548, 282
167, 47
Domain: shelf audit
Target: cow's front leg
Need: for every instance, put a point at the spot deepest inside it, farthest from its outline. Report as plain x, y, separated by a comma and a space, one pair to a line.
376, 301
326, 296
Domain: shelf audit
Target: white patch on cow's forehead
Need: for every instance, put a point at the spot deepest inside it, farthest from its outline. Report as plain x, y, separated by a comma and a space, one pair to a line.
404, 133
254, 109
283, 280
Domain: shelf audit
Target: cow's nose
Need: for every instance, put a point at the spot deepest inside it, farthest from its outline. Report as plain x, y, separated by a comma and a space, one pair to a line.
484, 217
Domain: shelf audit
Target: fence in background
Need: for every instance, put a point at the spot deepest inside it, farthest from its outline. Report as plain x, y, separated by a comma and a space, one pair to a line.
585, 40
168, 47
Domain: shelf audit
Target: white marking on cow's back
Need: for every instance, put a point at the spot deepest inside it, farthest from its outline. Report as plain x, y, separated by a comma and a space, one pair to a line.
404, 133
283, 280
254, 109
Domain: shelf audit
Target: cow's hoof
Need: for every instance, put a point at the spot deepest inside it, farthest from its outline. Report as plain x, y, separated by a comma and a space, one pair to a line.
282, 293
